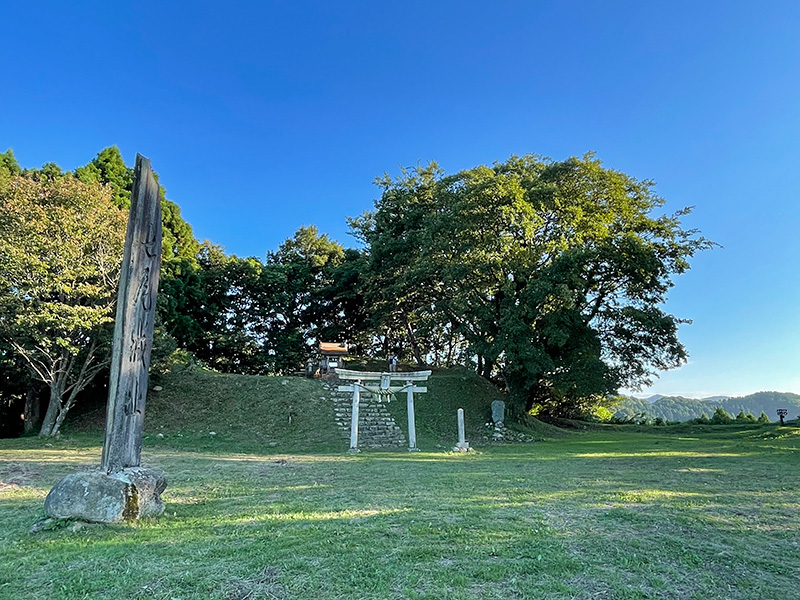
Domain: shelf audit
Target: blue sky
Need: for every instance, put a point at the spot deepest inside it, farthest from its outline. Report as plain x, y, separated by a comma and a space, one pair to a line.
261, 117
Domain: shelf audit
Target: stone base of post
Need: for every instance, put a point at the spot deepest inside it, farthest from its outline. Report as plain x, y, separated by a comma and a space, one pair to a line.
94, 496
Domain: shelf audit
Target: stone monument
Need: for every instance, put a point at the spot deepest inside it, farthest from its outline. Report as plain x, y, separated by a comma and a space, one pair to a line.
462, 445
122, 490
498, 412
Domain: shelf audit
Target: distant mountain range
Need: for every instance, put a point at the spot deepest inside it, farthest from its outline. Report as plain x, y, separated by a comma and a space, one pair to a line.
656, 397
678, 408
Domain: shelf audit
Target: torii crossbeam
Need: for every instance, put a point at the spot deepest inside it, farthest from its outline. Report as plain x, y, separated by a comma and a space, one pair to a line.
383, 385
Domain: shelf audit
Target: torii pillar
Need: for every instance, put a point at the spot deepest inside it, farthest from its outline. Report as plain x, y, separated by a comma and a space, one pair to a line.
380, 384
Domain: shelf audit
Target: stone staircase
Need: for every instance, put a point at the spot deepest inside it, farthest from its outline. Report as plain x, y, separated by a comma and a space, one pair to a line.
376, 426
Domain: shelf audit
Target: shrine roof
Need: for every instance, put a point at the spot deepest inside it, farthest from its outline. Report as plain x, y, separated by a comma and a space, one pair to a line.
332, 348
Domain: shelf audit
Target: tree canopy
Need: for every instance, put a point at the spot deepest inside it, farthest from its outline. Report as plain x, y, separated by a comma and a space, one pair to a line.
61, 243
109, 168
547, 277
552, 273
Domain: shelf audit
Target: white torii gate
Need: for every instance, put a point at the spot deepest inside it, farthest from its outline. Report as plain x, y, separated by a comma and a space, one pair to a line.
380, 384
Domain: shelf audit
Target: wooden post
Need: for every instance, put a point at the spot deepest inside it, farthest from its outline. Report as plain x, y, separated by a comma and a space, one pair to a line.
133, 328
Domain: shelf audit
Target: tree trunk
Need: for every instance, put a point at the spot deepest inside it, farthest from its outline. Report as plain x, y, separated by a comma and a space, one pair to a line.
450, 347
53, 409
31, 411
386, 346
62, 414
412, 339
486, 372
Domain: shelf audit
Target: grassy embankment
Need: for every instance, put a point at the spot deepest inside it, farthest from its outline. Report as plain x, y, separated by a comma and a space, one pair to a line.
603, 514
251, 413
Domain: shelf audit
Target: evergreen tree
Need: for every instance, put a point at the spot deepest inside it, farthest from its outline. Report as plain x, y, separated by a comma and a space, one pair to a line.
9, 167
109, 167
721, 417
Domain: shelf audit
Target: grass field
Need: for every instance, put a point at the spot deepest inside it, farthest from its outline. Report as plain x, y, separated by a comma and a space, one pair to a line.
605, 514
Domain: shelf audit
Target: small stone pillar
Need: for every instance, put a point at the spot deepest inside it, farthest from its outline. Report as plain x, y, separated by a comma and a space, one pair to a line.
354, 419
462, 445
412, 428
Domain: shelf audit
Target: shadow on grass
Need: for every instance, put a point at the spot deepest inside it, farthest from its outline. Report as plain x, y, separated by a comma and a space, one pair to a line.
633, 516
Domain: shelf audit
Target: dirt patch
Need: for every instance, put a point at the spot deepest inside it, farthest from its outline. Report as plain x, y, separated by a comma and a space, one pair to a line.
16, 475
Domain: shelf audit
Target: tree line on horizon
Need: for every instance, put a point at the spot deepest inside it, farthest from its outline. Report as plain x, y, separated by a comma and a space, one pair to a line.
545, 277
680, 409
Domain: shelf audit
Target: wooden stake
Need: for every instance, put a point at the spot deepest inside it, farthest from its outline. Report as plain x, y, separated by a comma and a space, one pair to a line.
133, 328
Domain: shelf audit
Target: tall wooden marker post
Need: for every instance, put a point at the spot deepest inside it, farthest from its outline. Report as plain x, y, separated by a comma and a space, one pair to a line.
122, 490
133, 327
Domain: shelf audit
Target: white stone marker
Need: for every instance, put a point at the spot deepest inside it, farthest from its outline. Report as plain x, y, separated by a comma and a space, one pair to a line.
412, 428
463, 444
354, 419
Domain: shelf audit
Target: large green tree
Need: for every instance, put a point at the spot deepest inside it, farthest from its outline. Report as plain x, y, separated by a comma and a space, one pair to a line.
553, 274
61, 243
109, 168
9, 167
247, 316
306, 261
224, 310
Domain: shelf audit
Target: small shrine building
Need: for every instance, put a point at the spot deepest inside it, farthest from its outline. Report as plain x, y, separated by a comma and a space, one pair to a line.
332, 354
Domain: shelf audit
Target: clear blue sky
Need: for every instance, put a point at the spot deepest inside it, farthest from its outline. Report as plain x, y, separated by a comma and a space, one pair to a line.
264, 116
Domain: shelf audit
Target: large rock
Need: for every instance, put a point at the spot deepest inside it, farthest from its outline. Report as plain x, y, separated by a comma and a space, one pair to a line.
94, 496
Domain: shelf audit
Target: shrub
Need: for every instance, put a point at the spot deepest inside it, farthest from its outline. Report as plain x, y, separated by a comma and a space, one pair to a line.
721, 417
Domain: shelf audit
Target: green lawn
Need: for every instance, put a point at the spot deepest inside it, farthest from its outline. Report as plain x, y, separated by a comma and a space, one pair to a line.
605, 514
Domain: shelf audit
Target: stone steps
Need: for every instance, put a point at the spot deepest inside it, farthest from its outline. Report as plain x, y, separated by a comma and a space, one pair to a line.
376, 426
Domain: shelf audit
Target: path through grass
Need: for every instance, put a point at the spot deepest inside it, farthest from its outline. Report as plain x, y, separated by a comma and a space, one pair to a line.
599, 515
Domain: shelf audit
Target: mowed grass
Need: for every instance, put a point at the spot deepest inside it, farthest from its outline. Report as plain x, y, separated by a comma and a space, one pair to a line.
606, 514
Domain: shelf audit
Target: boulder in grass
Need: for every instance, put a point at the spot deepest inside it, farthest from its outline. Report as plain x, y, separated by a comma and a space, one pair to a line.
96, 497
